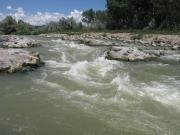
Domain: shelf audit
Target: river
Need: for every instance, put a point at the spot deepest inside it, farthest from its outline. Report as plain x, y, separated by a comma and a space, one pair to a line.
79, 92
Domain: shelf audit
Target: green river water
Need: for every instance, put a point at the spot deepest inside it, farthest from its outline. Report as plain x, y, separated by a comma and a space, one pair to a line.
79, 92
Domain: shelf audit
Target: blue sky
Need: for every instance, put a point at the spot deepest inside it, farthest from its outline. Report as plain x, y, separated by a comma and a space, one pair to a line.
61, 6
40, 12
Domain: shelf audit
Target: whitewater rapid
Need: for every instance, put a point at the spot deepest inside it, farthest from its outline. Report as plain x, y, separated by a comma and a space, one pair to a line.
78, 91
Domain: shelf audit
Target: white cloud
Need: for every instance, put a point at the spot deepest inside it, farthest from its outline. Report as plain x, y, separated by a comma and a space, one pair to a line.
42, 18
39, 13
19, 14
77, 15
9, 7
2, 16
39, 18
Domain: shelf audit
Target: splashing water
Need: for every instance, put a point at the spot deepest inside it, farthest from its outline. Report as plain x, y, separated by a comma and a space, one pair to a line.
79, 92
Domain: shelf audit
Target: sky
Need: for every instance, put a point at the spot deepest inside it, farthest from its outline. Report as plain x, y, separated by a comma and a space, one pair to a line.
39, 12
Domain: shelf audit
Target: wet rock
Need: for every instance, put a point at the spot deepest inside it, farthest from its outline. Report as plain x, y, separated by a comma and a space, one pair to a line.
157, 53
143, 42
176, 47
154, 44
12, 60
17, 42
95, 42
129, 54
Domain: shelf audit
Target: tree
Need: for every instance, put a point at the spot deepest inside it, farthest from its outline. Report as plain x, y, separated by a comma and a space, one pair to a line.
139, 14
166, 13
119, 13
101, 18
23, 28
88, 16
8, 25
64, 24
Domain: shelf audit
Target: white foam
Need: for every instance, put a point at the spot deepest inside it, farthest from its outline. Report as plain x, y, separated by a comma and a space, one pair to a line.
79, 93
70, 44
77, 46
83, 69
122, 82
55, 64
166, 94
63, 57
58, 41
158, 64
104, 66
73, 45
78, 70
47, 83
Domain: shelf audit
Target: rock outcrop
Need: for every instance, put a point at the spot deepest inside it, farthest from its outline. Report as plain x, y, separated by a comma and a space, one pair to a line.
13, 60
129, 54
11, 41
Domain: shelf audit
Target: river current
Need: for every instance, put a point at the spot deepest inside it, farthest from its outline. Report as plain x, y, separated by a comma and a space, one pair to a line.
79, 92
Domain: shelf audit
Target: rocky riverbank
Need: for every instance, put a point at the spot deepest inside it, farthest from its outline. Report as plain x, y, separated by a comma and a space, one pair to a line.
166, 42
12, 41
131, 47
13, 59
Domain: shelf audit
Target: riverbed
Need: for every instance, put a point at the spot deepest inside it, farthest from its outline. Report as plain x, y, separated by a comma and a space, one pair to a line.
79, 92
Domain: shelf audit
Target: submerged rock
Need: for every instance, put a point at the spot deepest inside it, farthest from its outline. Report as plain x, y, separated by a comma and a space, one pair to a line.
129, 54
11, 41
12, 60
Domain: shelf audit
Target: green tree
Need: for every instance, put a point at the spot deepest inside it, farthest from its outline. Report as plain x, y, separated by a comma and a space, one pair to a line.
101, 18
119, 13
8, 25
141, 14
166, 13
23, 28
88, 16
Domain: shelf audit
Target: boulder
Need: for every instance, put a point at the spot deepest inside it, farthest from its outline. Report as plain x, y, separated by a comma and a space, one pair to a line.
12, 60
11, 41
129, 54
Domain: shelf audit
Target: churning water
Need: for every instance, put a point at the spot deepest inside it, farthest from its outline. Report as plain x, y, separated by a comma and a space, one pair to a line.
79, 92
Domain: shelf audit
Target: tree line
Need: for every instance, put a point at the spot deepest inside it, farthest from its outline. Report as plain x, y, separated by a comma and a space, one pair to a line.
10, 26
144, 14
119, 14
137, 14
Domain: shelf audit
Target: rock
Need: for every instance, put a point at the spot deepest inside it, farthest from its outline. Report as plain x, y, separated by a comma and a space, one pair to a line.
176, 47
143, 42
12, 60
129, 54
157, 53
95, 42
17, 42
154, 44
